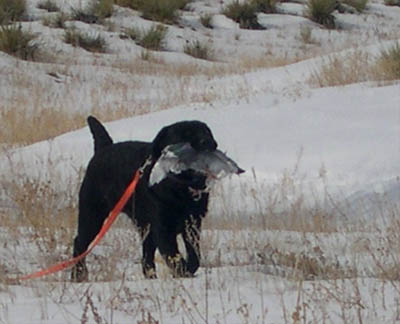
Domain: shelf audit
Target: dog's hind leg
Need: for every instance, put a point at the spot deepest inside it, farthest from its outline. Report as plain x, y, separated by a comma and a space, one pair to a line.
89, 225
79, 272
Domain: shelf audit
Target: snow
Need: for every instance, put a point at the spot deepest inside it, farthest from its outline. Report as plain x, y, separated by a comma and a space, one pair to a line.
300, 146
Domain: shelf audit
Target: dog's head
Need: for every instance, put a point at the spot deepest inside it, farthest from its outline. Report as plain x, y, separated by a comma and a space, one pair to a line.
196, 133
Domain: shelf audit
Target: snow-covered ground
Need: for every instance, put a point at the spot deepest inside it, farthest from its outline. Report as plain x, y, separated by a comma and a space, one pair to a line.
305, 150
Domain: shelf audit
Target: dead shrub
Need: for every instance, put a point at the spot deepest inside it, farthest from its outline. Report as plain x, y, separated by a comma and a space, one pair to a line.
388, 63
341, 70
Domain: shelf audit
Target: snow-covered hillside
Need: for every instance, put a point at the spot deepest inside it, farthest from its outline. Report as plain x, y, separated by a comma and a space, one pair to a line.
305, 149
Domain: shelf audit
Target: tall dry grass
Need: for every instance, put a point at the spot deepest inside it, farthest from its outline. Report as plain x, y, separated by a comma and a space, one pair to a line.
299, 252
18, 126
358, 66
40, 109
389, 62
341, 70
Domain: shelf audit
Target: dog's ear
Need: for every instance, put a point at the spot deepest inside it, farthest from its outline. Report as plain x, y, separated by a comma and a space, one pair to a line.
161, 141
169, 135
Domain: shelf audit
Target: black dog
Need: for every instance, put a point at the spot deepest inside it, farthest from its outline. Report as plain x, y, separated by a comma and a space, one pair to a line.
176, 205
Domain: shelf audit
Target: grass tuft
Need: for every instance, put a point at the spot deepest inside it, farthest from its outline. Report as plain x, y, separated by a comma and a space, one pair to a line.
198, 50
392, 2
306, 35
389, 63
57, 21
91, 43
48, 5
95, 12
16, 42
102, 8
341, 70
165, 11
152, 39
359, 5
265, 6
84, 16
243, 13
358, 66
206, 20
133, 4
302, 266
321, 12
12, 10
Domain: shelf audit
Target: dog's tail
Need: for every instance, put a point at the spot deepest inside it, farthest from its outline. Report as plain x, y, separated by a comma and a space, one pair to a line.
101, 137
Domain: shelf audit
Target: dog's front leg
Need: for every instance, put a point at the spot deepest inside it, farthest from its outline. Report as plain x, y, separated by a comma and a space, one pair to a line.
191, 238
168, 248
148, 251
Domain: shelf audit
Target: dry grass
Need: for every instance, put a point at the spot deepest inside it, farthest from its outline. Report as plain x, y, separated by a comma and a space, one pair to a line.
281, 262
340, 70
53, 111
44, 114
48, 5
39, 214
320, 11
199, 50
359, 5
51, 118
310, 265
102, 8
246, 64
388, 63
166, 11
151, 39
17, 42
285, 205
12, 10
244, 13
265, 6
42, 229
57, 21
205, 20
392, 2
91, 43
20, 127
358, 66
50, 213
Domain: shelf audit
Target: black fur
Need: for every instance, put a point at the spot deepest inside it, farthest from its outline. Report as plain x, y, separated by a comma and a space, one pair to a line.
101, 138
160, 212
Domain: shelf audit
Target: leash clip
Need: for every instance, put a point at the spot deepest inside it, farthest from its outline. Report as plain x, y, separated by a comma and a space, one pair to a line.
145, 165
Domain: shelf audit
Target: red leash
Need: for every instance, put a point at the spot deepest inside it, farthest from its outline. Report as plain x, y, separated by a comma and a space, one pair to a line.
106, 226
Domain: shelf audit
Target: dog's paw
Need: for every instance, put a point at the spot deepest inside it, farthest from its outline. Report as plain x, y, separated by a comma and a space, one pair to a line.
150, 273
79, 273
185, 274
